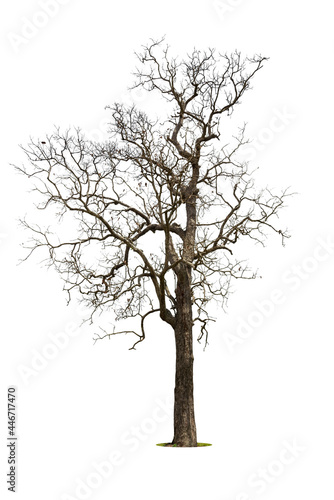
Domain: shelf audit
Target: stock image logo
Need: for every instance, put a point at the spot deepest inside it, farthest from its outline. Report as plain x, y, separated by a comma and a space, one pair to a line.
292, 280
31, 26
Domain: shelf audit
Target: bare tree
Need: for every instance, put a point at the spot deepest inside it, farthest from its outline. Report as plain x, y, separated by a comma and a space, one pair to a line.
157, 210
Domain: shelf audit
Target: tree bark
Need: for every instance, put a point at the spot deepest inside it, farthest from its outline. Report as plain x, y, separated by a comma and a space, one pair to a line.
184, 415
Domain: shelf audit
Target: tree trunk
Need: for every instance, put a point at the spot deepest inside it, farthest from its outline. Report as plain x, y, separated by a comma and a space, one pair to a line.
184, 414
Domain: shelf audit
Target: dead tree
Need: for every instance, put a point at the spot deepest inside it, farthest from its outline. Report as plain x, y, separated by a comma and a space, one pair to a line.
156, 211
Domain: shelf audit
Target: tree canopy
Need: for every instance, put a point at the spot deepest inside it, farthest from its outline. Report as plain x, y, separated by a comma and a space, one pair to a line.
159, 196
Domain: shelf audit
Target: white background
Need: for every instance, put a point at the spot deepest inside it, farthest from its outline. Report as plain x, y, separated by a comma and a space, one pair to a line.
274, 386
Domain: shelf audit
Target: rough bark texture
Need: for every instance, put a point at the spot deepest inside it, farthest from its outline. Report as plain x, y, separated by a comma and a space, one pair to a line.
184, 414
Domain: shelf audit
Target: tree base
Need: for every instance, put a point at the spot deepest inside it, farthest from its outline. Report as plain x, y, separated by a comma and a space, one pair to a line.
171, 445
